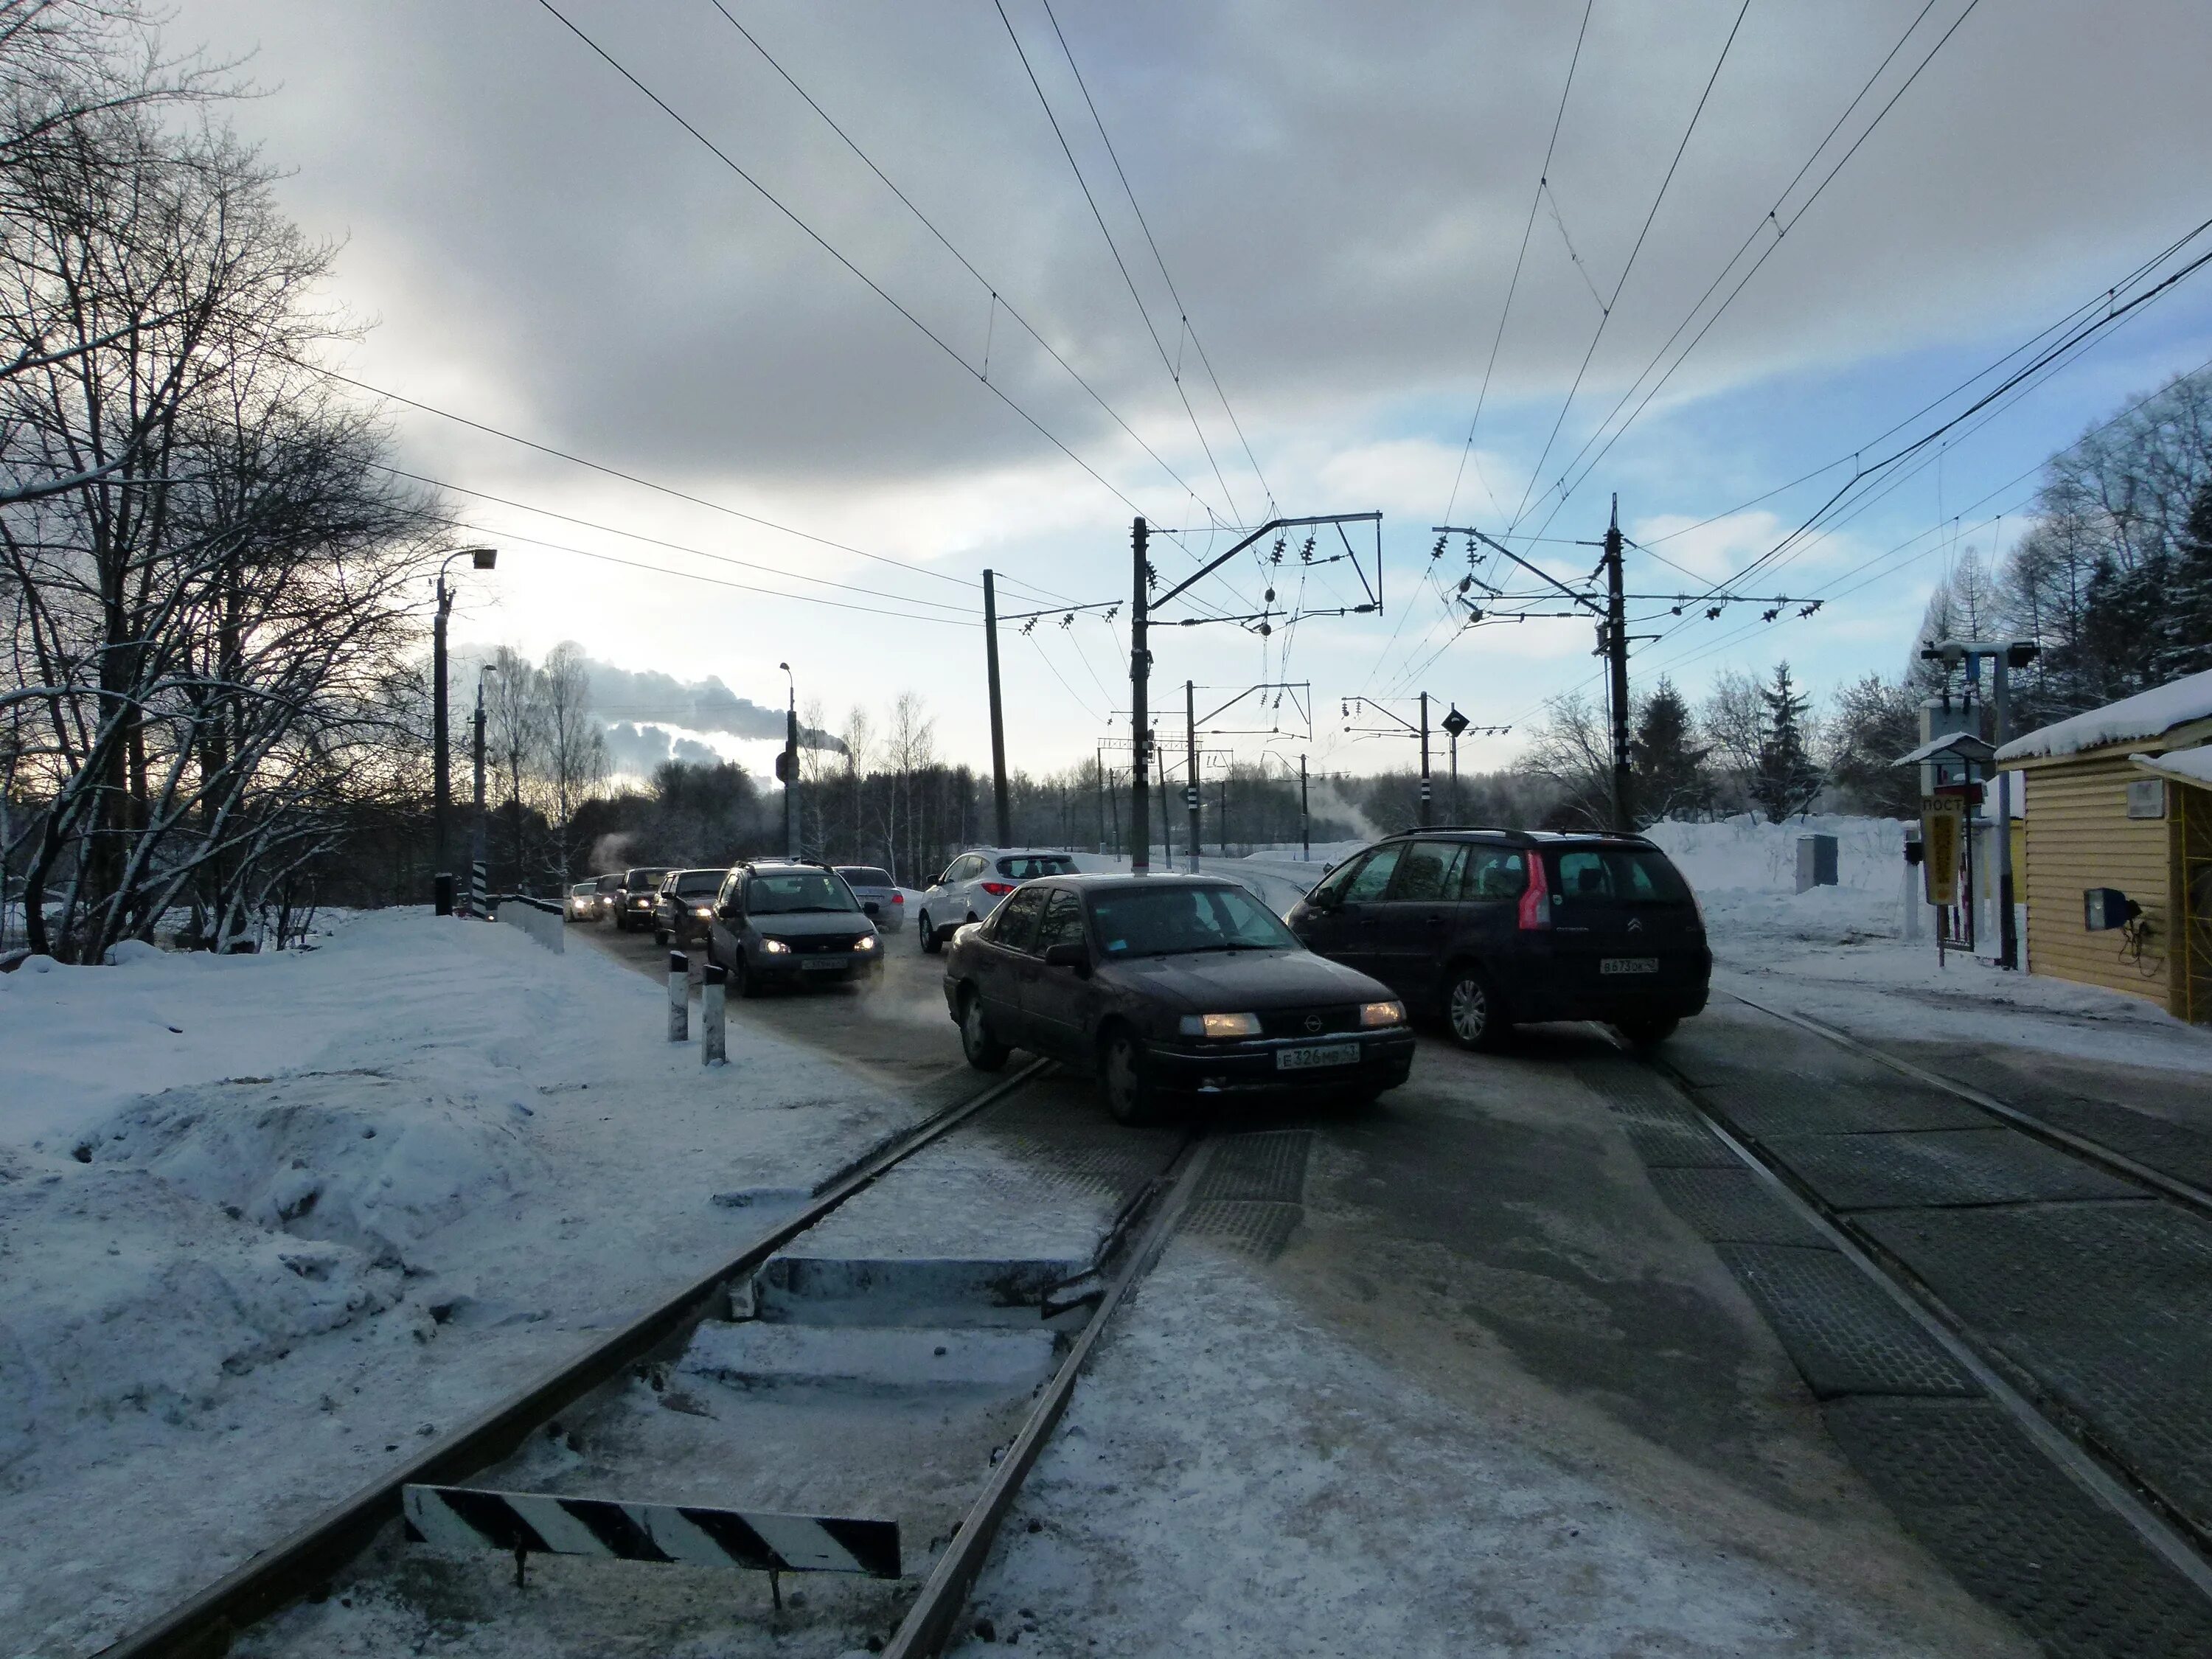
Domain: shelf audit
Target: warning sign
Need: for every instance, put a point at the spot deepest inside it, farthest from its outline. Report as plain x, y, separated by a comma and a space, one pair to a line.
1943, 822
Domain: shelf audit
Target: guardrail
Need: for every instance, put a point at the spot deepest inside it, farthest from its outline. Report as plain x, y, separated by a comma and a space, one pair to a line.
543, 920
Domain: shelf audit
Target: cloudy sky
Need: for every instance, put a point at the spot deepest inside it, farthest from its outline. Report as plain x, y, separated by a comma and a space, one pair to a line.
861, 419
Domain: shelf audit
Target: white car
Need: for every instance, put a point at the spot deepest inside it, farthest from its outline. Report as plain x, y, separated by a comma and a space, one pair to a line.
972, 886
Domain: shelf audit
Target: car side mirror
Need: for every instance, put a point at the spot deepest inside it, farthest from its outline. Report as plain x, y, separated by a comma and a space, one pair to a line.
730, 912
1069, 953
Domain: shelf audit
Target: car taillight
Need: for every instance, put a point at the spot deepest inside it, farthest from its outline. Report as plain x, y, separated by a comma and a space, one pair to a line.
1536, 897
898, 898
998, 889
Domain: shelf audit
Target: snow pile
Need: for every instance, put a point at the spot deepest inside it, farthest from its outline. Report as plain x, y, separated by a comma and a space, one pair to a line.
2190, 765
1744, 872
2147, 714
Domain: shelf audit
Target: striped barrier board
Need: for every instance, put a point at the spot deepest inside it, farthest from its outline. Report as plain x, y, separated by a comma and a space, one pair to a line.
531, 1523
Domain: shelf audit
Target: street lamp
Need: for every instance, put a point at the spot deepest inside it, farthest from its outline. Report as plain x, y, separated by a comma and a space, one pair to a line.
786, 763
477, 894
441, 764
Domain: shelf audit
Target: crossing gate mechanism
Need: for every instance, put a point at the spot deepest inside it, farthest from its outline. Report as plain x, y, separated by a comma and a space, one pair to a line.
525, 1523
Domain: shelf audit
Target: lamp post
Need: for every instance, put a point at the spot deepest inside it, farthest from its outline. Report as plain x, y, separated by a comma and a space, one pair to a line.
440, 761
787, 764
476, 893
1454, 724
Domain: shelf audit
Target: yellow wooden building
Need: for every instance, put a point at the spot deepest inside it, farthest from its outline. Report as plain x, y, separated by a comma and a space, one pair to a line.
2121, 798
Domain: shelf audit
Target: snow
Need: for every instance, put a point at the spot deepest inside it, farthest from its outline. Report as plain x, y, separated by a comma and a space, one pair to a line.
1838, 954
2191, 765
265, 1219
2147, 714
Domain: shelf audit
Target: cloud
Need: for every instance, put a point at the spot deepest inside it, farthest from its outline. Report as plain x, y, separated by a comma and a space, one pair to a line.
621, 697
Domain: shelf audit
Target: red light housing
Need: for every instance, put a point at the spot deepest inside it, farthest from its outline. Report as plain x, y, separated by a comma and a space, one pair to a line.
898, 898
998, 889
1535, 898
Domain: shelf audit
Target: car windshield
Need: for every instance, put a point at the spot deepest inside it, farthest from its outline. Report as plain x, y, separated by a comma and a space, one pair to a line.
696, 883
862, 875
801, 889
644, 881
1618, 875
584, 889
1028, 866
1178, 920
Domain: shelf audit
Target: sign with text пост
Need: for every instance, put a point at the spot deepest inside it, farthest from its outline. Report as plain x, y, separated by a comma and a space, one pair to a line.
1942, 821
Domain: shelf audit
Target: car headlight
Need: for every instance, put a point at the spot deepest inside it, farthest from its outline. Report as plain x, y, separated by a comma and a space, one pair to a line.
776, 947
1220, 1026
703, 910
865, 942
1382, 1014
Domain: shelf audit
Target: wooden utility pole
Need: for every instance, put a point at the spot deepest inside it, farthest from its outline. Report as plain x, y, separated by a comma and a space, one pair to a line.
1190, 763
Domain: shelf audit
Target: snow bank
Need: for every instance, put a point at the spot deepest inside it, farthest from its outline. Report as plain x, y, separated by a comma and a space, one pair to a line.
1744, 872
2147, 714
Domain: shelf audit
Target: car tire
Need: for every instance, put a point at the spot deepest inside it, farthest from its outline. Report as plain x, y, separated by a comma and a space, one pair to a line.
1648, 1033
1471, 1013
1131, 1098
931, 944
984, 1051
660, 937
746, 982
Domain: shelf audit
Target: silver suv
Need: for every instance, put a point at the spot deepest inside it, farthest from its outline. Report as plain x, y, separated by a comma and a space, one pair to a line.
782, 923
974, 883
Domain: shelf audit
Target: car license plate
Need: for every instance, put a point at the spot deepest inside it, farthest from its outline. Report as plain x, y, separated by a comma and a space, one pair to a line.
822, 963
1628, 965
1319, 1053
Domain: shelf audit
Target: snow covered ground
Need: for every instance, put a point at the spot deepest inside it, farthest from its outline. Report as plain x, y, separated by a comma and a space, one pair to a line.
265, 1219
1838, 954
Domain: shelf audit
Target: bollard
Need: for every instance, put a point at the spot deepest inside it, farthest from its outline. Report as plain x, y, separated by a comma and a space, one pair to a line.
679, 997
711, 1006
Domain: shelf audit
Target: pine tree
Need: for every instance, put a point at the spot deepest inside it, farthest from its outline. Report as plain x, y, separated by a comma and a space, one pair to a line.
2189, 593
1785, 778
1669, 769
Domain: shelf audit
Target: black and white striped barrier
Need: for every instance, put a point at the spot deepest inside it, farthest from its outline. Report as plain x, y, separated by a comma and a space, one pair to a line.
714, 1006
679, 997
525, 1523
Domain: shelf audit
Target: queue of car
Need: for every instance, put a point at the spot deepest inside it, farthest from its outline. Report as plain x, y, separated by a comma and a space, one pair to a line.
1176, 987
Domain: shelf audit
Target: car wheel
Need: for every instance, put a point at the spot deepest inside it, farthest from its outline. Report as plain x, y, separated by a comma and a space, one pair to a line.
985, 1051
931, 944
1646, 1033
1130, 1095
1472, 1014
742, 977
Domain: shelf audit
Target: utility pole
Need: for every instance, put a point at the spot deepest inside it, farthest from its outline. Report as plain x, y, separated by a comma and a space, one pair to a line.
1425, 760
1190, 765
1140, 670
997, 717
441, 770
1305, 816
1167, 830
787, 765
477, 889
1616, 650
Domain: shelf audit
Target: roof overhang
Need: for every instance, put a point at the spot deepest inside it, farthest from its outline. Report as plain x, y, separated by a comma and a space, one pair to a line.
2183, 765
1953, 746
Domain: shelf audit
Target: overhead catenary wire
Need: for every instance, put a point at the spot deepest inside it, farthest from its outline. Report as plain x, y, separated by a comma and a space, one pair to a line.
998, 299
1768, 219
1120, 264
829, 247
1182, 311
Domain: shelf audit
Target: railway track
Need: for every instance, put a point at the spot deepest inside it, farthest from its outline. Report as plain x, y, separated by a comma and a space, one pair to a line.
2153, 1500
303, 1566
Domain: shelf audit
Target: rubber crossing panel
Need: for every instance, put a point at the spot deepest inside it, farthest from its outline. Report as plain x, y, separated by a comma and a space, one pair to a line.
1952, 1166
1968, 1483
1843, 1332
1733, 1205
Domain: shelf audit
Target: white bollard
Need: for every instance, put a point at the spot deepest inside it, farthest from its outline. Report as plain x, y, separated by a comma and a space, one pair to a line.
712, 1008
1912, 902
679, 997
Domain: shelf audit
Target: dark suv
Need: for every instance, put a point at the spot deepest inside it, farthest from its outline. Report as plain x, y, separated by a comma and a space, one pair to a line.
780, 922
633, 900
1490, 928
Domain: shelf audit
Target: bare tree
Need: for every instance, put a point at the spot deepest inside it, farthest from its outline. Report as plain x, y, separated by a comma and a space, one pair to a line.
575, 752
1572, 749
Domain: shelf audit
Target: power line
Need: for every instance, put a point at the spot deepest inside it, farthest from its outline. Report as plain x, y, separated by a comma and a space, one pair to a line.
673, 547
1512, 286
1181, 310
998, 301
1768, 219
1599, 332
824, 244
1119, 263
